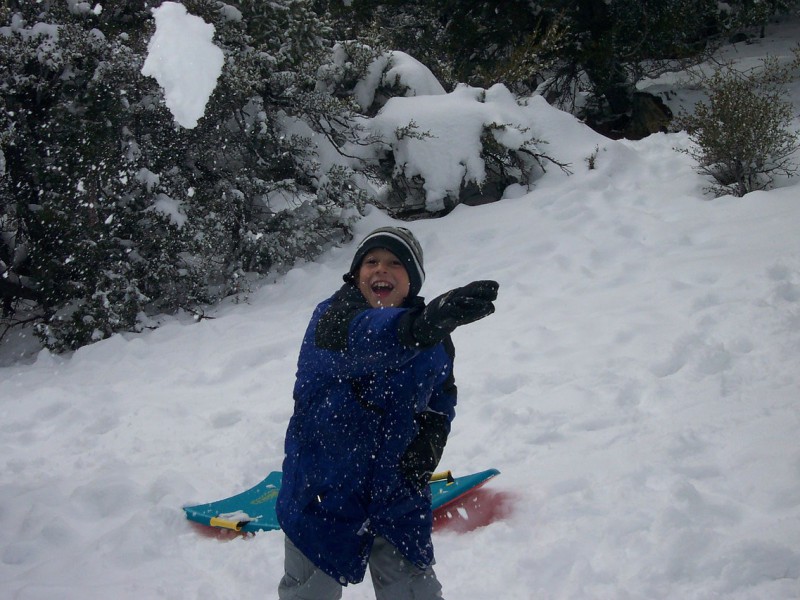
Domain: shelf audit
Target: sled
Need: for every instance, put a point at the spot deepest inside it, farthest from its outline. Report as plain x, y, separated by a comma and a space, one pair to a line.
254, 510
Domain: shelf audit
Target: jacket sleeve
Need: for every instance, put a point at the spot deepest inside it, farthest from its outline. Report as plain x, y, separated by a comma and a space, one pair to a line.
420, 459
422, 456
445, 393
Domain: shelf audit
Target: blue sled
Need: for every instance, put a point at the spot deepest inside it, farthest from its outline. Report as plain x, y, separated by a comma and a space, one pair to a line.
254, 509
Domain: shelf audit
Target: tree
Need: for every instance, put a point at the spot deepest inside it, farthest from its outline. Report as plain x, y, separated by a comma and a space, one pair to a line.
111, 212
747, 14
565, 50
610, 46
585, 56
743, 132
461, 41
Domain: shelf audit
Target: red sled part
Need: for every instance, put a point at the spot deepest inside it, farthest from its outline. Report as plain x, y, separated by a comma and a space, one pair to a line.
476, 508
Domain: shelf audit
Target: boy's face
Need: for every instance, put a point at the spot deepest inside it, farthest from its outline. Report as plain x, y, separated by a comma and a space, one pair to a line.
383, 279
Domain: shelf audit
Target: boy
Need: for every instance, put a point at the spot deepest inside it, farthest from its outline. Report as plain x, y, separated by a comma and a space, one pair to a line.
374, 398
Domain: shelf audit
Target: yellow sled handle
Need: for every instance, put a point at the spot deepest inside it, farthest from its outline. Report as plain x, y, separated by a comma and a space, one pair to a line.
227, 524
448, 475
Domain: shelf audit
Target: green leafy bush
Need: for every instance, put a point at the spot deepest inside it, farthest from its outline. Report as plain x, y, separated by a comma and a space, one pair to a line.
742, 132
110, 213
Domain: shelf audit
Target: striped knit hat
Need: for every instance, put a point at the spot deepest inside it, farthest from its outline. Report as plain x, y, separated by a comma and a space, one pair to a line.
400, 242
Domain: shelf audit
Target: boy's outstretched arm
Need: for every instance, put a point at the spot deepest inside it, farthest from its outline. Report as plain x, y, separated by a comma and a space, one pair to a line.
460, 306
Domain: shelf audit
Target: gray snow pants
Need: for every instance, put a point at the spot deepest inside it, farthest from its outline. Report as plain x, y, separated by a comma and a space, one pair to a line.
393, 577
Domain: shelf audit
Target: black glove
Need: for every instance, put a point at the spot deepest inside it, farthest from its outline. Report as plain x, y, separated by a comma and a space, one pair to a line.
423, 453
450, 310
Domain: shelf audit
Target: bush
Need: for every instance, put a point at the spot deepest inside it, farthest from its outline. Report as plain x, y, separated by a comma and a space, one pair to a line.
742, 133
110, 213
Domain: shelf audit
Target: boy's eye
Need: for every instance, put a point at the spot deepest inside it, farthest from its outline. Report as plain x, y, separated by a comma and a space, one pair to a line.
374, 261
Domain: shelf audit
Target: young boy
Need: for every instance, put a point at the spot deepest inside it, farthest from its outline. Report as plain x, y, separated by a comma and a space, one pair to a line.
374, 398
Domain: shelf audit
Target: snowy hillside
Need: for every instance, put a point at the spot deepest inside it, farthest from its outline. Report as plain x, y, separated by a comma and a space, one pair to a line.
637, 387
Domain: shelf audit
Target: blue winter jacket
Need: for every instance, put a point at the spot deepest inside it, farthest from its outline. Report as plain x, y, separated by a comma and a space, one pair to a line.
360, 390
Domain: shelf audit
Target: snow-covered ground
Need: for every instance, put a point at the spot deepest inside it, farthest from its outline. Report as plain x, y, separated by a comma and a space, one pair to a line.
638, 388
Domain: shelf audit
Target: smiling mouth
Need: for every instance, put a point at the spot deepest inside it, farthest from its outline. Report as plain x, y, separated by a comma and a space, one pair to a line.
381, 288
